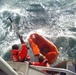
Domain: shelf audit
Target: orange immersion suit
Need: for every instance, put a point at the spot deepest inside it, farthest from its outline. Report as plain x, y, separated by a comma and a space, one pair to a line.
20, 55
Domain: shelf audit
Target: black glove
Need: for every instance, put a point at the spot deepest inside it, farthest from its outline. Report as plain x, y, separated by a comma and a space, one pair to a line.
20, 37
30, 63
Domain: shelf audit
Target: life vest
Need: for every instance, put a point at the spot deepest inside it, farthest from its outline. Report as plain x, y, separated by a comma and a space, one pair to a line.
20, 55
43, 63
14, 55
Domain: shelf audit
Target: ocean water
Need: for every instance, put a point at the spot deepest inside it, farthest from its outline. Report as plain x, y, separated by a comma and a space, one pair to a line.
53, 19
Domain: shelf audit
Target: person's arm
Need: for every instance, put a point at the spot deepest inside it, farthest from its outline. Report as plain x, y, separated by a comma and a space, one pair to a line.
45, 63
24, 49
34, 63
20, 37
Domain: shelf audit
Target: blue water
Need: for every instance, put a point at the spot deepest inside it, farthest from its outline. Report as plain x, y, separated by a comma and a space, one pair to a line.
54, 19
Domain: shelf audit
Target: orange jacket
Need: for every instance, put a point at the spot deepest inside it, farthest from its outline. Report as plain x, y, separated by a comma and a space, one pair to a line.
43, 63
19, 55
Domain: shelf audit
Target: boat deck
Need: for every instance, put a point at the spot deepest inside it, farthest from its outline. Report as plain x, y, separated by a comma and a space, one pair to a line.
23, 68
27, 70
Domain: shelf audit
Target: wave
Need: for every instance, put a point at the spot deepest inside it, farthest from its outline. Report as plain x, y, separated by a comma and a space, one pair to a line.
54, 19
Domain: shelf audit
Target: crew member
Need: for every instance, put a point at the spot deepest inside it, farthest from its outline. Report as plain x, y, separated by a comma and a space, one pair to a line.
41, 62
18, 55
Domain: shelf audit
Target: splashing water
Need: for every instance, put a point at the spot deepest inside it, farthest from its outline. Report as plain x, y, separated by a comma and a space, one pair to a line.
54, 19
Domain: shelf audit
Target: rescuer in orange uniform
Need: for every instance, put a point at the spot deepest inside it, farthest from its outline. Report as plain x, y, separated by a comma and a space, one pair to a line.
18, 55
41, 62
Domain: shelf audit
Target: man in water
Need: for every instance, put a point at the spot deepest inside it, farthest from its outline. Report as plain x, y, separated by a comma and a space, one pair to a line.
41, 45
18, 55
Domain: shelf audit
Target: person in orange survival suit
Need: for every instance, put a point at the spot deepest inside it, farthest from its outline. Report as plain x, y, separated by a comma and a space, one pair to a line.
41, 45
19, 55
41, 62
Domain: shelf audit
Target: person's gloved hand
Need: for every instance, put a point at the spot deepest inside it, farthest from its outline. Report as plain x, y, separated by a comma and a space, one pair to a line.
45, 61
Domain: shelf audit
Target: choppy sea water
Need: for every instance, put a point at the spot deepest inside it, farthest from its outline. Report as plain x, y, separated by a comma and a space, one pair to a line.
54, 19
